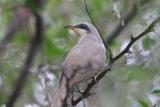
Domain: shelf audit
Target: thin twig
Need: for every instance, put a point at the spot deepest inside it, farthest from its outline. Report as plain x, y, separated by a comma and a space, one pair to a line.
105, 44
79, 91
114, 59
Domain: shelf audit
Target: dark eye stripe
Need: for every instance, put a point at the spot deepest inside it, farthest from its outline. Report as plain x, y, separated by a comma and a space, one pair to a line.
84, 26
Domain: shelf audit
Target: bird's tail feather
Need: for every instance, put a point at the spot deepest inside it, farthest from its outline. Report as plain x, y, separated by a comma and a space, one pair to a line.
60, 97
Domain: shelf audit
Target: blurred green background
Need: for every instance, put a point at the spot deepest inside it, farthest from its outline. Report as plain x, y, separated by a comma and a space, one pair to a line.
134, 80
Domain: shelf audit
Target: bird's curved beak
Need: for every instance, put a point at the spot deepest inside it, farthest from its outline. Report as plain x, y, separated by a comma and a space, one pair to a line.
72, 27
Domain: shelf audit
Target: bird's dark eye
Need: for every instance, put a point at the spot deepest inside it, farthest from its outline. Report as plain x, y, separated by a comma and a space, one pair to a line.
84, 26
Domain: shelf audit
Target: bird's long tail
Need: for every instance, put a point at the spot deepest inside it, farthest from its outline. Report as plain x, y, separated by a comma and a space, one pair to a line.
61, 94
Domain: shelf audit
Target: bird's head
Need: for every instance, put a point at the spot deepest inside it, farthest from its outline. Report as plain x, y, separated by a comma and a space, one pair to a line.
82, 29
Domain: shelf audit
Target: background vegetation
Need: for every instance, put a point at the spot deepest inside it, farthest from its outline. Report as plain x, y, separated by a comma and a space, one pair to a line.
134, 80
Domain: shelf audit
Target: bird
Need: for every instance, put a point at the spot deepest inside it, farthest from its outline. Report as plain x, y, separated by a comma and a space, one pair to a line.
85, 60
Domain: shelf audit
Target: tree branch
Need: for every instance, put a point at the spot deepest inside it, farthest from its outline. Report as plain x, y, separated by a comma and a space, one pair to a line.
36, 42
114, 59
127, 17
134, 39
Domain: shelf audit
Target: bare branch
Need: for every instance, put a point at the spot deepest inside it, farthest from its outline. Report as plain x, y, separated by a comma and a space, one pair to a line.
134, 39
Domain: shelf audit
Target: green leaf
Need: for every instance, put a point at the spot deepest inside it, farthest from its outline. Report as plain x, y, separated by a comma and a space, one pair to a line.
156, 91
143, 103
